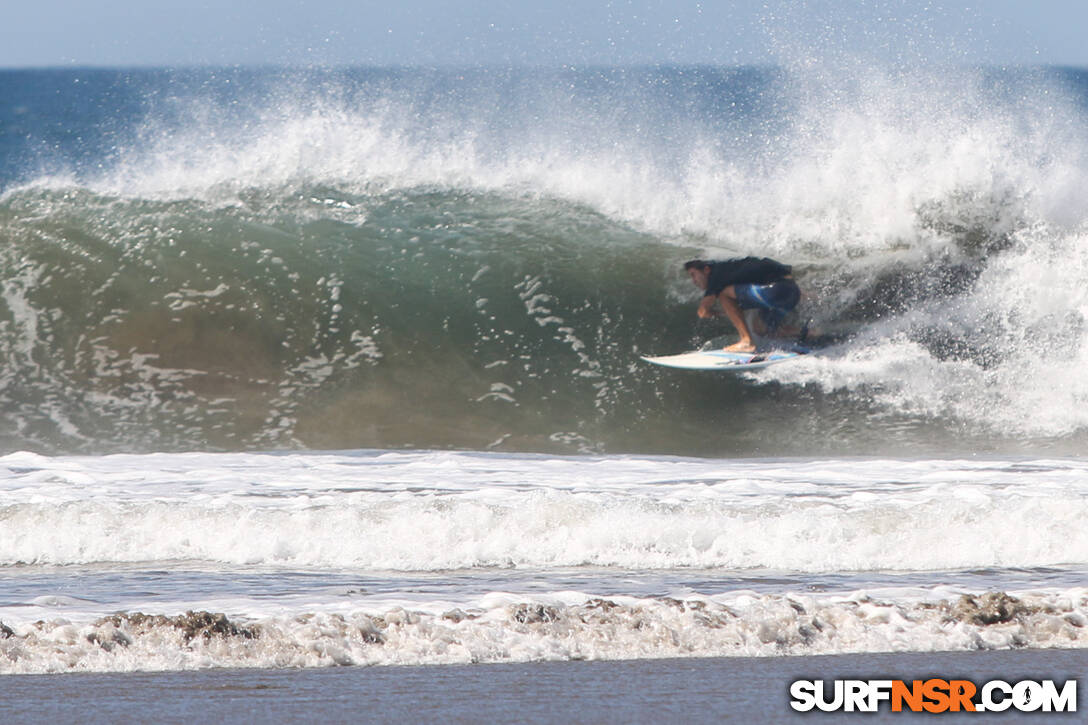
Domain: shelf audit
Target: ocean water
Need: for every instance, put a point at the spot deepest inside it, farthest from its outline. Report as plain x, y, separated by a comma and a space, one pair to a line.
333, 367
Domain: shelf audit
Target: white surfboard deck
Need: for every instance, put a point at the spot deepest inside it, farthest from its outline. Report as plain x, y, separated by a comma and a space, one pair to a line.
725, 360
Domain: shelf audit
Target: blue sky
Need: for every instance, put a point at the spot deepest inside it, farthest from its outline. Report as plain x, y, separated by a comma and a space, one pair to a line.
538, 32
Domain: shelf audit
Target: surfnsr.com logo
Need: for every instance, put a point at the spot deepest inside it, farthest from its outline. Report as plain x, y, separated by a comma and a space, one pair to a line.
933, 695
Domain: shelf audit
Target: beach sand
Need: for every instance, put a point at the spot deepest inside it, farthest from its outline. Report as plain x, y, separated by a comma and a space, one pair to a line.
740, 690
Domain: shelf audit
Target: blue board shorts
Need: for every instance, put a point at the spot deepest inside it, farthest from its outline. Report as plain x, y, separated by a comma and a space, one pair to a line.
774, 301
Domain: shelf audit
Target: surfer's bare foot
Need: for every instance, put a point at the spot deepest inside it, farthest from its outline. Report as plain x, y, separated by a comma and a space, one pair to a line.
741, 346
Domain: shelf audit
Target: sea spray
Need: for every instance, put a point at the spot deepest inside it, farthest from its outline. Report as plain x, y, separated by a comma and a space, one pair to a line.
266, 259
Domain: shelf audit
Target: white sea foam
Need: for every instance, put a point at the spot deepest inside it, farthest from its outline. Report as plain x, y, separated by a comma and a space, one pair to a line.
1026, 314
438, 511
561, 626
278, 521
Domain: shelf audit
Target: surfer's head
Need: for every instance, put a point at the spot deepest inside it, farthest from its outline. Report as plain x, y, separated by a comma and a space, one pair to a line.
699, 271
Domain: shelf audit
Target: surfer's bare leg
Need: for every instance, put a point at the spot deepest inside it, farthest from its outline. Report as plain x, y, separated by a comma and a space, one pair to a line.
732, 310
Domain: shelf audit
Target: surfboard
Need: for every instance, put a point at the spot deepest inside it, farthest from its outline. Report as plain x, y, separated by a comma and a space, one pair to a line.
725, 360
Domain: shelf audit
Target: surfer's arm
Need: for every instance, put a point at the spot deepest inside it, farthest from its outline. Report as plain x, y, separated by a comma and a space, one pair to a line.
706, 307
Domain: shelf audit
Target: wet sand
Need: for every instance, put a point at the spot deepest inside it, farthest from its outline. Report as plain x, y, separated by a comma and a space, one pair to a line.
740, 690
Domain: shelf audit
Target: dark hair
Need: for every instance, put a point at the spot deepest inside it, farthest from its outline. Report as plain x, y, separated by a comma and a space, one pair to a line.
696, 264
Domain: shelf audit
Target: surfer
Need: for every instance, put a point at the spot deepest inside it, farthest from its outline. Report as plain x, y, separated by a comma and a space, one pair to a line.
748, 283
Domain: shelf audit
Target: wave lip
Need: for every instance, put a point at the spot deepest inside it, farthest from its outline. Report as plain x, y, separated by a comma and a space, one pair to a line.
310, 273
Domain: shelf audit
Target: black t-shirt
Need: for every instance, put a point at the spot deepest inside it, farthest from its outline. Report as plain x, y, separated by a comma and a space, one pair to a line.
747, 270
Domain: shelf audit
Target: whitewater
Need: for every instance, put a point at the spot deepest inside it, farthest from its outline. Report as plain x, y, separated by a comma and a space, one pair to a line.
190, 560
312, 368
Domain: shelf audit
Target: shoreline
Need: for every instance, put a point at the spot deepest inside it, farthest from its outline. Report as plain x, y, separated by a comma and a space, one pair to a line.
728, 689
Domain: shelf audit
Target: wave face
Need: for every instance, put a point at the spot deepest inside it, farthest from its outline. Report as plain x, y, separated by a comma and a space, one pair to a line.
383, 259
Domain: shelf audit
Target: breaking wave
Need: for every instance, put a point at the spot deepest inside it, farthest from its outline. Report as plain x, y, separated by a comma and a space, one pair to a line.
257, 259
